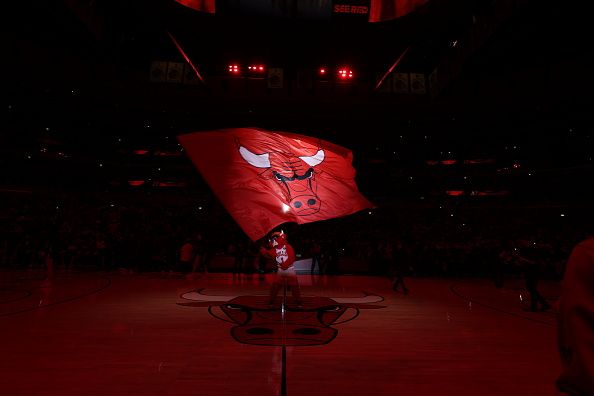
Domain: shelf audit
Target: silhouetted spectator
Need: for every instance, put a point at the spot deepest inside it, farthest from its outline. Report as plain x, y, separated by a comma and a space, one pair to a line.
399, 266
576, 322
316, 257
201, 253
530, 262
185, 257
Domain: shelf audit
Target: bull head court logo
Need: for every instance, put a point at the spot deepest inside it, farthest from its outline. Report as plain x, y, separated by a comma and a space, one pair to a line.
256, 323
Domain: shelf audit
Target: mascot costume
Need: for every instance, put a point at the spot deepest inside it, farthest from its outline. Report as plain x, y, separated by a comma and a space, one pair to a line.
284, 255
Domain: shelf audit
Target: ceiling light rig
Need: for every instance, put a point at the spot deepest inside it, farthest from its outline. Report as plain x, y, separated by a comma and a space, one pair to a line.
234, 69
345, 74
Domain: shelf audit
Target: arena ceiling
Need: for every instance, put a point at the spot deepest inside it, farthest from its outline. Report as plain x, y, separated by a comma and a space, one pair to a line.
514, 83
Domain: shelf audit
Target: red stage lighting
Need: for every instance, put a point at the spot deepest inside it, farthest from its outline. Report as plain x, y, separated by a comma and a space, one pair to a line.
322, 73
449, 162
234, 69
256, 69
345, 74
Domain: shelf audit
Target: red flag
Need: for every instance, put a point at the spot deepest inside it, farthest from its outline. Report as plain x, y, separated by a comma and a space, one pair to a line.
385, 10
266, 178
199, 5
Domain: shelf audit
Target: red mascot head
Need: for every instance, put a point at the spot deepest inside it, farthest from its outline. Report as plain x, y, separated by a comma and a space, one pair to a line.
278, 238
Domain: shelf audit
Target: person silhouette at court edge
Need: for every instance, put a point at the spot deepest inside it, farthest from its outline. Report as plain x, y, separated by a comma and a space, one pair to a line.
575, 323
316, 257
399, 265
529, 260
284, 255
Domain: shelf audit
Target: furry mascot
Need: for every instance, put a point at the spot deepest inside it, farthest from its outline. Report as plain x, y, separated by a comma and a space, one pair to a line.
284, 255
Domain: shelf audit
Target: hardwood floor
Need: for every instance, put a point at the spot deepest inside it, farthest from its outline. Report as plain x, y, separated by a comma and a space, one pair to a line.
129, 334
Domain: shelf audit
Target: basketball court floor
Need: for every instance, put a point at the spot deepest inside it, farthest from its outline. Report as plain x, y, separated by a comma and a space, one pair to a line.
100, 333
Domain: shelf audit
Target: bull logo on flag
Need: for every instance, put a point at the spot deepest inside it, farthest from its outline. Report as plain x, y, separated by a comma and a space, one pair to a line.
295, 173
267, 178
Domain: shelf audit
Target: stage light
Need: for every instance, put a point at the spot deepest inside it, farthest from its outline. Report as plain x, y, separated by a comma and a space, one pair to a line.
448, 162
322, 73
345, 74
234, 69
256, 69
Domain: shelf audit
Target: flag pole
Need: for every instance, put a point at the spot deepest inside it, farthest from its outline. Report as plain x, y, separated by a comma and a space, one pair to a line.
387, 73
185, 56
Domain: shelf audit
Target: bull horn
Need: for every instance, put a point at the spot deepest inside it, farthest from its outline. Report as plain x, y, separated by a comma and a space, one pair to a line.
315, 159
257, 160
367, 298
196, 295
